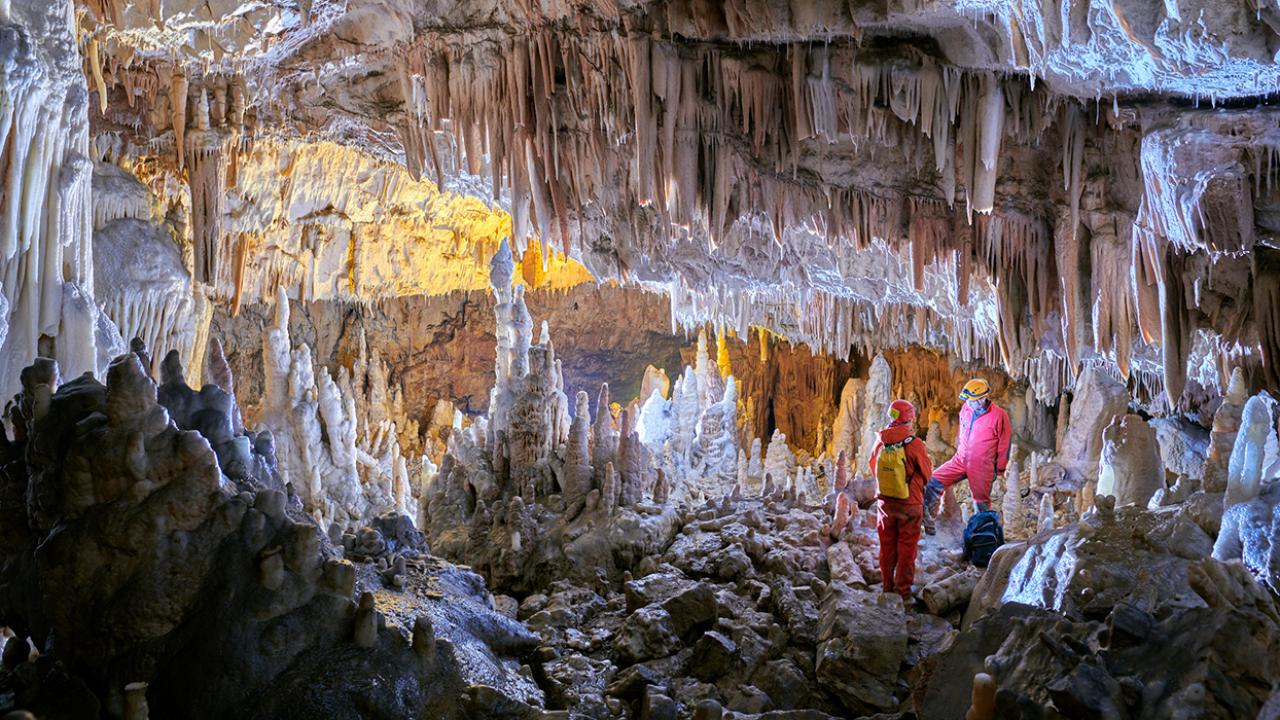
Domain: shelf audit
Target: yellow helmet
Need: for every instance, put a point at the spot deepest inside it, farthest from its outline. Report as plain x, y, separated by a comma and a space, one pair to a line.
975, 389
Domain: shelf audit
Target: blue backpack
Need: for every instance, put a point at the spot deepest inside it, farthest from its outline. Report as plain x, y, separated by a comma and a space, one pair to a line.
982, 536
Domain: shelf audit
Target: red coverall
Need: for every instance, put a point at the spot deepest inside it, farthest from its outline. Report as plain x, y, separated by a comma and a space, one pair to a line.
898, 521
982, 450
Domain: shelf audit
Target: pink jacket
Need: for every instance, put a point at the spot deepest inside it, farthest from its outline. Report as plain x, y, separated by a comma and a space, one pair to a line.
982, 448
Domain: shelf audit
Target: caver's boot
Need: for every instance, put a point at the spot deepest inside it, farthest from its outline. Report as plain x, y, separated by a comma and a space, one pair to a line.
932, 497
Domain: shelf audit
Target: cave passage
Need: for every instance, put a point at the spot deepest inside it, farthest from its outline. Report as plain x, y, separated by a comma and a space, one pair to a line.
646, 360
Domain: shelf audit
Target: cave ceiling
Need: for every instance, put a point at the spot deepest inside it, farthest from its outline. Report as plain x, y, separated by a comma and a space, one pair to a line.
1035, 185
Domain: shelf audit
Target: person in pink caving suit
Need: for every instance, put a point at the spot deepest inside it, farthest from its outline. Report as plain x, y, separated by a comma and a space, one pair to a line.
982, 452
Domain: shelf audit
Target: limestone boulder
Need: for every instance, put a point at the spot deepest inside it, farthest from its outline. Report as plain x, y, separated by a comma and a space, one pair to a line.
1184, 445
648, 633
862, 641
1115, 666
1128, 555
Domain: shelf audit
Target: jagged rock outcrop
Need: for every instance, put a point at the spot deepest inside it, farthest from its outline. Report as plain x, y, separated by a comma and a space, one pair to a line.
118, 526
1129, 586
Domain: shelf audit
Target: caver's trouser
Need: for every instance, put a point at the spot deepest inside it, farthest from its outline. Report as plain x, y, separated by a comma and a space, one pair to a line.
898, 525
979, 474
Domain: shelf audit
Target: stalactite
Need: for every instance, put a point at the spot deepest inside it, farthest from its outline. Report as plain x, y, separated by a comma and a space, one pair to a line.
645, 85
1266, 309
1067, 245
1176, 327
178, 84
206, 158
990, 134
95, 68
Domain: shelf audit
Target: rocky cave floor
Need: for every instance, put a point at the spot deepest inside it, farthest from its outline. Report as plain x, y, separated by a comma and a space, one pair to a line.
748, 611
153, 563
729, 617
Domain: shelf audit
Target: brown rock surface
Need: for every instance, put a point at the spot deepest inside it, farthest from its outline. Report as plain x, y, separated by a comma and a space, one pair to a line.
443, 347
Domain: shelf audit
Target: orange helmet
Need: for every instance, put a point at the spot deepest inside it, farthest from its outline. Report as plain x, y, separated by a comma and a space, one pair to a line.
975, 389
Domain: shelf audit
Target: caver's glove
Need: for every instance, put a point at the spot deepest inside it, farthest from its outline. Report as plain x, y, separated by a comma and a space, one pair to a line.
932, 496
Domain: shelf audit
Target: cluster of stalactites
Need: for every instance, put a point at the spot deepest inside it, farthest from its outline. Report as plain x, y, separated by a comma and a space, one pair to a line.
46, 245
211, 121
682, 142
832, 324
649, 97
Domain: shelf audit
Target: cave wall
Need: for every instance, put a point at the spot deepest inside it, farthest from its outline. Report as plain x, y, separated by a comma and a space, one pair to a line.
442, 347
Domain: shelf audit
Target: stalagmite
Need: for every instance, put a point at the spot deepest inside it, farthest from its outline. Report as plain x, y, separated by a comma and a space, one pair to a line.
609, 491
655, 380
135, 701
1086, 496
1257, 432
778, 459
424, 638
983, 703
877, 394
1098, 399
1222, 439
631, 461
366, 622
604, 447
577, 466
1045, 520
1011, 506
1129, 467
661, 489
841, 517
845, 433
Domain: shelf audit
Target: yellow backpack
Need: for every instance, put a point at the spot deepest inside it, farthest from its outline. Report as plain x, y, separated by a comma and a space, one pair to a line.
891, 471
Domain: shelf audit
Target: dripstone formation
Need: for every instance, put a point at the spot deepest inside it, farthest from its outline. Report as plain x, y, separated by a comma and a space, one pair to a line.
532, 359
